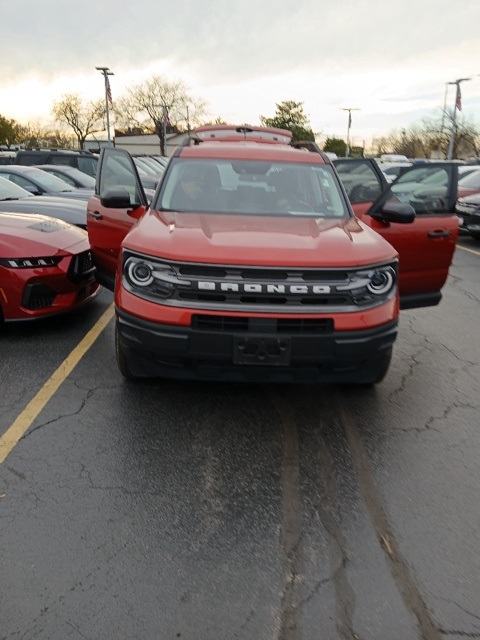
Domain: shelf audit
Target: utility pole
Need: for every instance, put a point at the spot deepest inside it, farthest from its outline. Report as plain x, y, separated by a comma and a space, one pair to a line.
349, 109
105, 71
161, 127
458, 105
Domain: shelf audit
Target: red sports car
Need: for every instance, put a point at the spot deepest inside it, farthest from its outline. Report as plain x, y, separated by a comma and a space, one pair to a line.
45, 267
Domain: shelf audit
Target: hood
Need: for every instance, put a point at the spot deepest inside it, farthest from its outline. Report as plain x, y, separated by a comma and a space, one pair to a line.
258, 240
80, 193
27, 236
472, 200
70, 210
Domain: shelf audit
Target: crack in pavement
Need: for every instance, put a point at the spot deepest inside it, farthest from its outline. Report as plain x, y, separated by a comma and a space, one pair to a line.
398, 566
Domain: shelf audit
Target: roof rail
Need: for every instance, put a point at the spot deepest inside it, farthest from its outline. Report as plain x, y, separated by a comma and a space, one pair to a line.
312, 146
187, 142
245, 132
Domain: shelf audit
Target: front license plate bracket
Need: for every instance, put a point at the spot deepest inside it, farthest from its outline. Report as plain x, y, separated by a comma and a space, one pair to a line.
262, 351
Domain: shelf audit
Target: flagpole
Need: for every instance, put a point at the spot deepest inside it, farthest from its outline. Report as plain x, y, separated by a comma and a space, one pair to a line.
349, 109
106, 72
458, 105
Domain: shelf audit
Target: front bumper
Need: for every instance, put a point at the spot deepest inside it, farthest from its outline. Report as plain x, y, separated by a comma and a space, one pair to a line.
470, 219
159, 350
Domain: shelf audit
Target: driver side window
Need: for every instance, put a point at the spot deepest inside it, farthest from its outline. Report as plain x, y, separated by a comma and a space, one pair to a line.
118, 173
360, 181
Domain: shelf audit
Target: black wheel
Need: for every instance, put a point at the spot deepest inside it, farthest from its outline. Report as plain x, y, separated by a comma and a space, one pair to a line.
475, 235
122, 361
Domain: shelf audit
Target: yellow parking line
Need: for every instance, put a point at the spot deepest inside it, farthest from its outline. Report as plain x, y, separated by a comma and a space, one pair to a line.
477, 253
31, 411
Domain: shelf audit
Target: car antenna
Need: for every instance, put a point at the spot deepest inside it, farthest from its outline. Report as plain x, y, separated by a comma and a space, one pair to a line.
244, 130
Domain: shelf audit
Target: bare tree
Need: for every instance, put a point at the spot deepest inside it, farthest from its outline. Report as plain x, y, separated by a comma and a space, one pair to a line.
147, 105
430, 138
83, 118
35, 134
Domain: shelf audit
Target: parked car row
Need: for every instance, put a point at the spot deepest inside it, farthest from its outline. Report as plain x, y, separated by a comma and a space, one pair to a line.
56, 194
16, 199
46, 265
39, 182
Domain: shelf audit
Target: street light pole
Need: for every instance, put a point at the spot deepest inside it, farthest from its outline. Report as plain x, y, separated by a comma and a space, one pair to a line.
349, 109
105, 71
458, 106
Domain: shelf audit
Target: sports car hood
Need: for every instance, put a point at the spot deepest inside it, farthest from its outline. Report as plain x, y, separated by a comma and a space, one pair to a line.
28, 236
258, 240
68, 209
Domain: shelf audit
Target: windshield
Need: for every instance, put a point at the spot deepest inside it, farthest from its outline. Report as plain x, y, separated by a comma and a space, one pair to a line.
251, 187
11, 191
47, 181
471, 181
74, 177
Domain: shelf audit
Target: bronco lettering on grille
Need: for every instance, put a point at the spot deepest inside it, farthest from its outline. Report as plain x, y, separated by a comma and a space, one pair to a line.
235, 287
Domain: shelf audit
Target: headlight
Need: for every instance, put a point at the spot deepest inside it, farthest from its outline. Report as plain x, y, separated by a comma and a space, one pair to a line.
139, 272
371, 285
381, 281
147, 278
28, 263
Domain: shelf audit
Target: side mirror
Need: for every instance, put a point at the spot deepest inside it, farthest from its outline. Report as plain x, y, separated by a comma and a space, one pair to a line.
116, 198
398, 212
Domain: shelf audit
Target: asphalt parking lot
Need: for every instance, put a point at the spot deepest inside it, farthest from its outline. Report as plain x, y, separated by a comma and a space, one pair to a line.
162, 509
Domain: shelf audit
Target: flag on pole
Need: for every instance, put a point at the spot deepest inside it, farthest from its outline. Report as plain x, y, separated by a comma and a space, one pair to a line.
458, 102
349, 119
109, 91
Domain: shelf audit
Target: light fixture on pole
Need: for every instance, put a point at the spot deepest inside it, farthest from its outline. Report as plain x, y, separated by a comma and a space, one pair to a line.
105, 71
458, 105
349, 109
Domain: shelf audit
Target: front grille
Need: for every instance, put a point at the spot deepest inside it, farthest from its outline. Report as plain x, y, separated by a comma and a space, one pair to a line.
274, 286
81, 267
269, 290
254, 273
229, 324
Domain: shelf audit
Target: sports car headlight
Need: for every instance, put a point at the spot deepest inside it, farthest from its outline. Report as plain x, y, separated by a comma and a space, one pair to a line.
29, 263
372, 284
148, 278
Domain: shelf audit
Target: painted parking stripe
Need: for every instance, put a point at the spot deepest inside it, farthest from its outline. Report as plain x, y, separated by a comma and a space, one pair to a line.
13, 434
477, 253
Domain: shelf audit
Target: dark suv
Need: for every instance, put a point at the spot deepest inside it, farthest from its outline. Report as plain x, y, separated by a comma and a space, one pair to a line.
83, 160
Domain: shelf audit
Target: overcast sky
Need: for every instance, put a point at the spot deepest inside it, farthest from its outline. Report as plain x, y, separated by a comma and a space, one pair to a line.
390, 60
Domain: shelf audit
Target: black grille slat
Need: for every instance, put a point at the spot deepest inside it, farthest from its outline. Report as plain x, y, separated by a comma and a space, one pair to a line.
230, 324
243, 274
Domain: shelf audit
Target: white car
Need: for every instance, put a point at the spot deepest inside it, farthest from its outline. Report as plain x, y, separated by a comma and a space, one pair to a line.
391, 170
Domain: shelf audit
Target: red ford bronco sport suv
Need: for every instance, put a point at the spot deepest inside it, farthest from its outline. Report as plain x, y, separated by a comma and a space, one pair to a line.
258, 259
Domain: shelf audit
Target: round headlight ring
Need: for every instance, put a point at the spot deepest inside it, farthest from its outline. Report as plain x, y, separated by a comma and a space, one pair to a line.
381, 282
140, 273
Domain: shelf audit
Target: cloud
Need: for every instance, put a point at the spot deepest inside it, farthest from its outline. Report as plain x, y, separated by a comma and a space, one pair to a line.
244, 57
